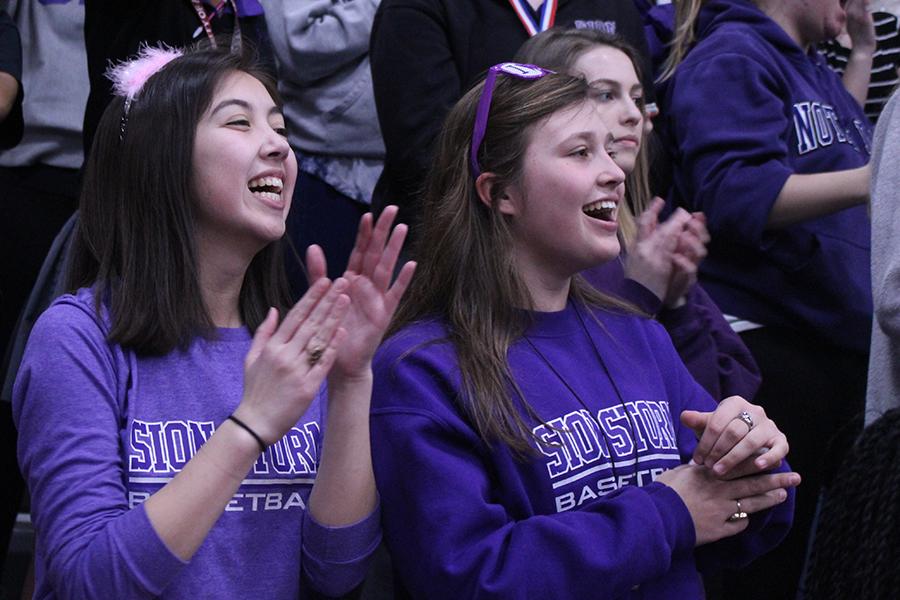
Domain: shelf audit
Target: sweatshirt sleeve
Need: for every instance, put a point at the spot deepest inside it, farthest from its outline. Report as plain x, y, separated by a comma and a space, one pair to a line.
336, 559
66, 405
451, 537
416, 83
322, 36
731, 152
712, 352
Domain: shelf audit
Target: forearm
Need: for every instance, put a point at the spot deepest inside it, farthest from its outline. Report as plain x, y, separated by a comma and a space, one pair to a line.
344, 492
815, 195
858, 73
183, 512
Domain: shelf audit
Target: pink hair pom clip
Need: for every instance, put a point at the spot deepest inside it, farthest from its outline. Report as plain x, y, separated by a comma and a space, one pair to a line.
129, 77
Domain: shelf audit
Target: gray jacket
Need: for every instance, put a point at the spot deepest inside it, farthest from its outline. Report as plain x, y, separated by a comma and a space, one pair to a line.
322, 50
55, 82
884, 361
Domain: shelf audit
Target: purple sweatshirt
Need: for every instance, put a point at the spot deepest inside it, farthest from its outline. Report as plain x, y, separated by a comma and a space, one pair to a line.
101, 429
711, 351
582, 517
745, 110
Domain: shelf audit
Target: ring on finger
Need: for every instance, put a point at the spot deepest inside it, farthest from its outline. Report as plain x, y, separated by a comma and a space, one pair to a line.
738, 514
314, 352
747, 419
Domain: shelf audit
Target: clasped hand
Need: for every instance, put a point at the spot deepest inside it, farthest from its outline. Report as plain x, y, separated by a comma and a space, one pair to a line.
737, 445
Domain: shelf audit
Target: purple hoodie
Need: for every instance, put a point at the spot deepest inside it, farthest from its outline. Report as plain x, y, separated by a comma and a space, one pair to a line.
582, 517
745, 110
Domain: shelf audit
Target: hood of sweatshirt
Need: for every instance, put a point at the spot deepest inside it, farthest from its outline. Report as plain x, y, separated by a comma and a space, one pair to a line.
723, 14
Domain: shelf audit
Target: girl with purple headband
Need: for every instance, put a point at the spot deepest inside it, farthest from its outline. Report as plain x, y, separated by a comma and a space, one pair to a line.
532, 437
175, 430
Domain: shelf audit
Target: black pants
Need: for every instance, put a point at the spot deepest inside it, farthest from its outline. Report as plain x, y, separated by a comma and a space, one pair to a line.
35, 203
815, 393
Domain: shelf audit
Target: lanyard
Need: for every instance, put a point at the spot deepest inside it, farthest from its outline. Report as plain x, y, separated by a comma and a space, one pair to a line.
546, 17
206, 22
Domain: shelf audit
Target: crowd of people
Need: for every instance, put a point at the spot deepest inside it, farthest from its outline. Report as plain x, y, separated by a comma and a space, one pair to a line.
450, 298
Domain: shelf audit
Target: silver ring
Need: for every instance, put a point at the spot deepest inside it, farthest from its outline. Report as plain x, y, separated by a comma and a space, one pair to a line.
739, 514
747, 419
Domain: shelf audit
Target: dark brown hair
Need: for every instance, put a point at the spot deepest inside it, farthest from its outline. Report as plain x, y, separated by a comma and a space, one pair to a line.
466, 273
135, 238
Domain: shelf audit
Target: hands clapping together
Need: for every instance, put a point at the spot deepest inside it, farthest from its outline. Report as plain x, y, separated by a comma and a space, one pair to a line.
665, 256
333, 330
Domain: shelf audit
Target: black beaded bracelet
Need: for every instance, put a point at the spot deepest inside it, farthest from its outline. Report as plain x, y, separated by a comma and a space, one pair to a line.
239, 423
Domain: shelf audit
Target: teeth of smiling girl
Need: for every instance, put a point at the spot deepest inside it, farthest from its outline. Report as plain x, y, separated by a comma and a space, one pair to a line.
275, 184
602, 210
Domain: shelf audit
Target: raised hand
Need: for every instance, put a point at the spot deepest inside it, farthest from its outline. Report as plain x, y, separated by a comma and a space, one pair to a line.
689, 253
287, 363
860, 25
712, 501
373, 298
649, 260
736, 439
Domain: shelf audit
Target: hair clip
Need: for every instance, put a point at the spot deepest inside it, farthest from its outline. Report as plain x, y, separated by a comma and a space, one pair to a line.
129, 77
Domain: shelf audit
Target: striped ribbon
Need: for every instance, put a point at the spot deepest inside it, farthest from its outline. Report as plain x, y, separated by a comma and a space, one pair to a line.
546, 17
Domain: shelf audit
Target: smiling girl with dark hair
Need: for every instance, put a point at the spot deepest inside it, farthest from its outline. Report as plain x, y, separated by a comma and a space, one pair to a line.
175, 432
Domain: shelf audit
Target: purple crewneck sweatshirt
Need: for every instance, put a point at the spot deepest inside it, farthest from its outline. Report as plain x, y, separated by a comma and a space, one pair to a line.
711, 351
583, 517
101, 429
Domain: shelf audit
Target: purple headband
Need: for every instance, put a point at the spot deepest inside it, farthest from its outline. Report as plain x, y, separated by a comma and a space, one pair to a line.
521, 71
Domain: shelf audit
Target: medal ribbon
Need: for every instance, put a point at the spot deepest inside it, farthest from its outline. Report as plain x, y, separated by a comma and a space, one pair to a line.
206, 22
546, 16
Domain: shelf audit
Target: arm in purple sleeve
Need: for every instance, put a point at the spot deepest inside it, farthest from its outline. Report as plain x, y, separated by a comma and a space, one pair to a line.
336, 559
67, 406
712, 352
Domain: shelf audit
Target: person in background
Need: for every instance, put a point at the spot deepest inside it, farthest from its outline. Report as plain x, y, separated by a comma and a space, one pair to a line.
883, 390
39, 180
778, 164
322, 54
867, 55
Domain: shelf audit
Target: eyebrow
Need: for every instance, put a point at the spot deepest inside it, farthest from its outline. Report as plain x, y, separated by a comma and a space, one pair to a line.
243, 104
616, 83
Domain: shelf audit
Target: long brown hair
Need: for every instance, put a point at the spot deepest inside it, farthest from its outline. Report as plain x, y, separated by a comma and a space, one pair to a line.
684, 36
135, 238
559, 49
466, 273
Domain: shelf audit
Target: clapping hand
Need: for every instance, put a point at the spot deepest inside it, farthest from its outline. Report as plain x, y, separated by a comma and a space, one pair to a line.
373, 297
